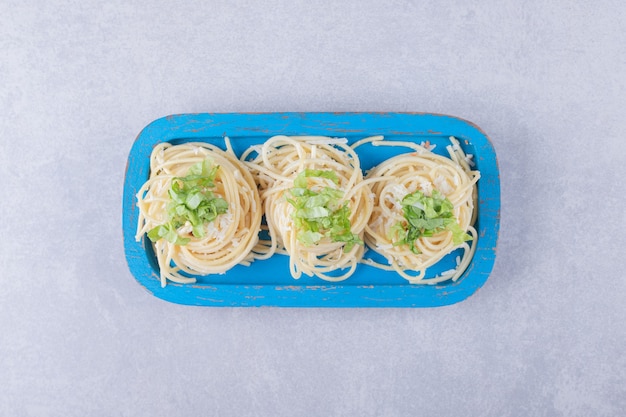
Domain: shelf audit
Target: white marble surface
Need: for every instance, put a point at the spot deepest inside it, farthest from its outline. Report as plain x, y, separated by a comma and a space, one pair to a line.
545, 336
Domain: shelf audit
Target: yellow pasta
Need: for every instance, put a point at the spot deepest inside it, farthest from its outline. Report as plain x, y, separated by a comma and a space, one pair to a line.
304, 183
431, 177
211, 247
202, 208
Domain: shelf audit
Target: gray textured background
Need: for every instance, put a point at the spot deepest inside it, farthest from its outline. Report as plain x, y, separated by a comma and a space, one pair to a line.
544, 336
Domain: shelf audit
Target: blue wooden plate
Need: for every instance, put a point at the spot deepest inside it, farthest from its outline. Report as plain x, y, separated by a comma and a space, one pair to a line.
268, 282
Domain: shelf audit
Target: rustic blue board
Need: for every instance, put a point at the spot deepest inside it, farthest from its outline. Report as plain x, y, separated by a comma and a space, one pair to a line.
268, 283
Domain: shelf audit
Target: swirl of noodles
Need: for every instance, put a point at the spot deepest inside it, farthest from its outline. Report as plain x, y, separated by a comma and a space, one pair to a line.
422, 171
228, 240
276, 165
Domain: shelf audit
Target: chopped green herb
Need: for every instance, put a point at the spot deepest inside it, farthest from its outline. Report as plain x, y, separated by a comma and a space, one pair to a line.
320, 214
191, 200
301, 182
165, 231
426, 216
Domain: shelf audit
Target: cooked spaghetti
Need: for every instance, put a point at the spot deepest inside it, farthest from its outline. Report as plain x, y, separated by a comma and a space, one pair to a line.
316, 203
423, 210
201, 209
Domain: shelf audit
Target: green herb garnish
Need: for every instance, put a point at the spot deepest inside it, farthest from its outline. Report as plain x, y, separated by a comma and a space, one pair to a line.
426, 216
191, 200
320, 214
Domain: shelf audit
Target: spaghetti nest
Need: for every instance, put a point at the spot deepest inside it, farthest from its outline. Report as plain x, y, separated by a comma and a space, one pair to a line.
423, 210
316, 203
201, 209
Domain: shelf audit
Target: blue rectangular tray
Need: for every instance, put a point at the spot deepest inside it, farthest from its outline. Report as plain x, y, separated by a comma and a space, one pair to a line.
268, 282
